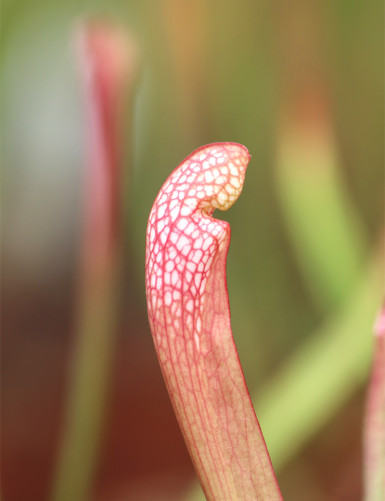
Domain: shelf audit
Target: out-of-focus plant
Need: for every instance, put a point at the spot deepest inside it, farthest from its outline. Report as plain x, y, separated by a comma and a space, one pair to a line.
374, 450
330, 246
325, 231
318, 379
189, 314
108, 65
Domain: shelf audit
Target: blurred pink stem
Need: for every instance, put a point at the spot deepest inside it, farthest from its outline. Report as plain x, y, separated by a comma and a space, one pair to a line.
374, 446
106, 56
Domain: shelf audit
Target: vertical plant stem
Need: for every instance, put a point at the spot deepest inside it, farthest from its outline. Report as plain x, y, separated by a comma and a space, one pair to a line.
105, 59
325, 231
374, 437
88, 387
189, 315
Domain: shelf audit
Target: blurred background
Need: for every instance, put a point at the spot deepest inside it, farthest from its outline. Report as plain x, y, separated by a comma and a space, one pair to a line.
301, 85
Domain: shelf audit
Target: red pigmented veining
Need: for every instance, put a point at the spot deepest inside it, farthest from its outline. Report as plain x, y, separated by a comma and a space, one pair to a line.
189, 314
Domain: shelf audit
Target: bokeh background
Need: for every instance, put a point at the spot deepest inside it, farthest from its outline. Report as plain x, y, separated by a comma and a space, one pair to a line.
301, 84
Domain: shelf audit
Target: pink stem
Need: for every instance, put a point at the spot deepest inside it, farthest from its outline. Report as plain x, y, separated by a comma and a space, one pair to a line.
105, 53
107, 64
374, 451
189, 315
